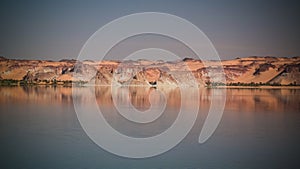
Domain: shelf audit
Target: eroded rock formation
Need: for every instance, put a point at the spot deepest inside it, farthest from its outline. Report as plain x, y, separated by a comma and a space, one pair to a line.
189, 72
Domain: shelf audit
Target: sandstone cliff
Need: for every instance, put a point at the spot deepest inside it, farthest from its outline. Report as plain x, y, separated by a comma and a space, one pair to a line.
249, 70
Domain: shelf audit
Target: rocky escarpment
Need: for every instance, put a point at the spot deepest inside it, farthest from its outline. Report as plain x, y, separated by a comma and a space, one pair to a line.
188, 72
149, 73
129, 74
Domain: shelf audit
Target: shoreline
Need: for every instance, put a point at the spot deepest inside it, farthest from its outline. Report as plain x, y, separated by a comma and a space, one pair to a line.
78, 84
257, 87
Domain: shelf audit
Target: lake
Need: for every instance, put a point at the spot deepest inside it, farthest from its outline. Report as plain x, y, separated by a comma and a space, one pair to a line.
40, 129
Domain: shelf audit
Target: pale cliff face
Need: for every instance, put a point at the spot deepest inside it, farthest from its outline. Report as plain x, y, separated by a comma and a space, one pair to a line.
242, 70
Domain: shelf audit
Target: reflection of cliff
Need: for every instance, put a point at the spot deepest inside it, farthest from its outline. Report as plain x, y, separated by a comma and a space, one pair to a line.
187, 72
36, 94
266, 100
137, 96
237, 100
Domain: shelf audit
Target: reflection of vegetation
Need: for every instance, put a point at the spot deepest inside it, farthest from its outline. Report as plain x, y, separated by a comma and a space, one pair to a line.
9, 82
54, 82
252, 84
212, 84
260, 84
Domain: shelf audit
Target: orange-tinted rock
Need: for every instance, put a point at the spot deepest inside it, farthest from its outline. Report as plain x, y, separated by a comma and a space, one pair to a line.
257, 70
152, 75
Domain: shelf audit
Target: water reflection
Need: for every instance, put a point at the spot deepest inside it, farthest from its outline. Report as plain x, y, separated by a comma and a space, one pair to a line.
259, 127
239, 100
36, 94
263, 100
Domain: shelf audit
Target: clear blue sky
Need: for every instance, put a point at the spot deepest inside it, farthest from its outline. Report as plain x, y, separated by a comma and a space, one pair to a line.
57, 29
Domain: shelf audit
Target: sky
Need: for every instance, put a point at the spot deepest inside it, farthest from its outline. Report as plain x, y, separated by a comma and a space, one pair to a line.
54, 30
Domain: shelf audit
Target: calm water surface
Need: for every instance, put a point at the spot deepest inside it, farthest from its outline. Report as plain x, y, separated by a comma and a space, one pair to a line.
40, 130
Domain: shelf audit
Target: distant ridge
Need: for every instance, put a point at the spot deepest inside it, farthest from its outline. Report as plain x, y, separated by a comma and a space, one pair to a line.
253, 71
